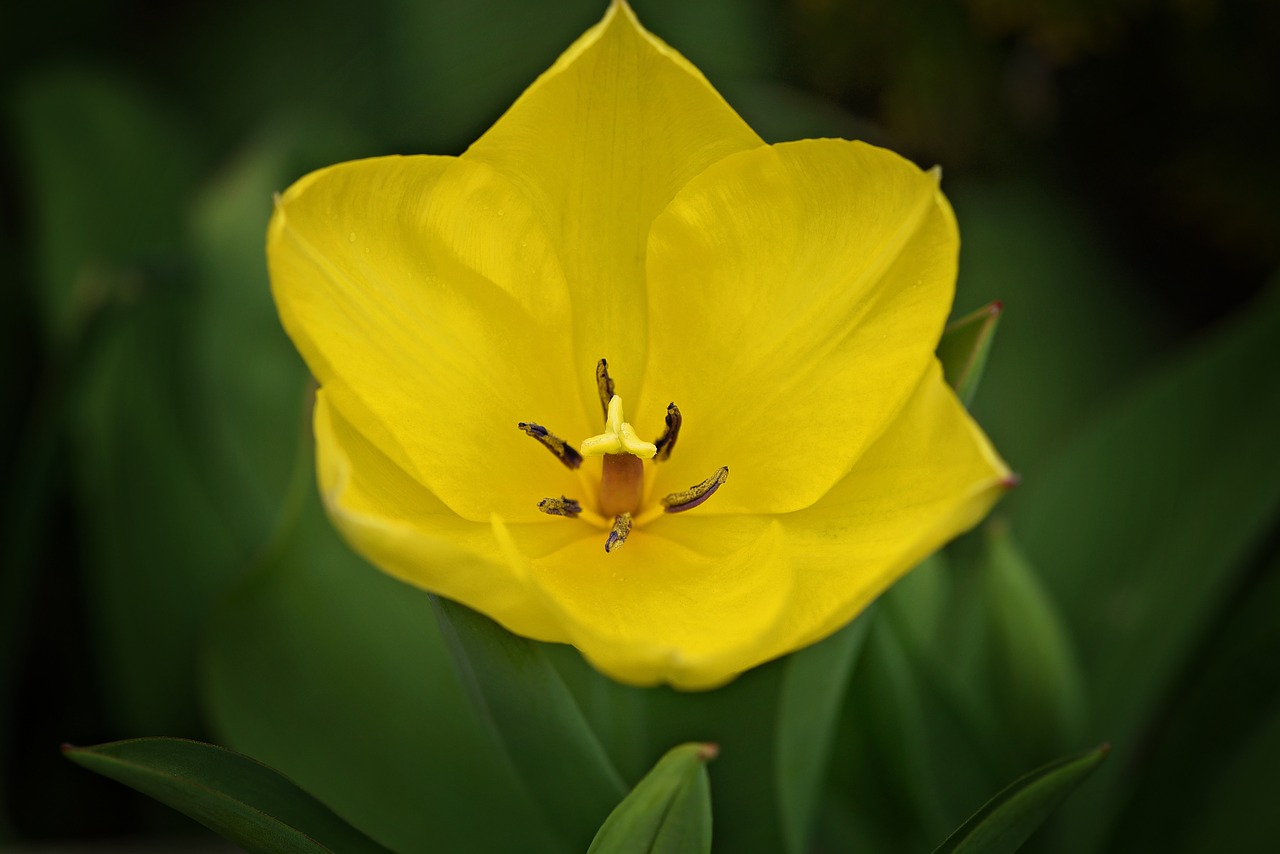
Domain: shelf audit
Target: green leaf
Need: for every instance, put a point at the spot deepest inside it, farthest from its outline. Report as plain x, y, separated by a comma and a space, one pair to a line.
668, 812
335, 673
251, 378
741, 719
1210, 769
1074, 328
104, 168
1037, 682
237, 797
157, 549
964, 347
1144, 524
813, 688
1008, 820
526, 707
1239, 812
907, 760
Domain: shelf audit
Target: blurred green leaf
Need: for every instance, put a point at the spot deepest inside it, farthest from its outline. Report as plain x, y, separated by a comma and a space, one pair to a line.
668, 812
250, 378
523, 703
1239, 812
245, 801
105, 171
1036, 679
618, 714
1142, 526
1008, 819
813, 689
1073, 328
964, 347
909, 758
1213, 757
157, 549
336, 674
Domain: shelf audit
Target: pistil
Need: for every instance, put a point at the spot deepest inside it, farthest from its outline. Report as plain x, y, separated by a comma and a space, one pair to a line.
621, 484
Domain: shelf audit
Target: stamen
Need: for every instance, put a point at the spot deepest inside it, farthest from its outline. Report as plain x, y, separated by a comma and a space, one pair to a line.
668, 439
618, 536
562, 506
563, 451
604, 385
690, 498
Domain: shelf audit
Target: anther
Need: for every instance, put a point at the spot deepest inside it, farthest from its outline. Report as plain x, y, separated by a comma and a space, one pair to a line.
668, 439
604, 385
618, 536
563, 451
562, 506
690, 498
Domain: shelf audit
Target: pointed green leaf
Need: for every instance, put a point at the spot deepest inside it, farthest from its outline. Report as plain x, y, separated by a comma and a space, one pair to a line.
813, 688
1035, 670
1008, 820
527, 708
245, 801
668, 812
964, 347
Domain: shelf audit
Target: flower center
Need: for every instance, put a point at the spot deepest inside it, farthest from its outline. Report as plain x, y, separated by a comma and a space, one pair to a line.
622, 482
621, 493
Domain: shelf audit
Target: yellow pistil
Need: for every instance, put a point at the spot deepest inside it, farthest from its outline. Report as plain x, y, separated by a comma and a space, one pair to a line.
622, 480
618, 437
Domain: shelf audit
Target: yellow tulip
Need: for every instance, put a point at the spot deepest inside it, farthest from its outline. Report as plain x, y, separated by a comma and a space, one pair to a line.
787, 298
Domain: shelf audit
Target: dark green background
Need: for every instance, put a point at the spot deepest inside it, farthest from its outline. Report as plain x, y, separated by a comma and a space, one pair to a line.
164, 570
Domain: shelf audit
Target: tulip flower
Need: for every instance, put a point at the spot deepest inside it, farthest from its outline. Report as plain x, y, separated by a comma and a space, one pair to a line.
625, 377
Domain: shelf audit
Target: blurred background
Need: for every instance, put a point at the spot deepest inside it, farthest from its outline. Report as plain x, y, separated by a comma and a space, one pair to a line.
164, 569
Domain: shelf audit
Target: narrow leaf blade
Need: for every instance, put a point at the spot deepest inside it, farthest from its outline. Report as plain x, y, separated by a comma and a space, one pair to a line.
964, 348
1008, 819
1035, 667
668, 812
527, 708
813, 689
239, 798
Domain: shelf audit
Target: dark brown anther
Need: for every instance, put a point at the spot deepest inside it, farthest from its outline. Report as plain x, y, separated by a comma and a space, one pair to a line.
668, 439
563, 451
604, 385
618, 536
690, 498
562, 506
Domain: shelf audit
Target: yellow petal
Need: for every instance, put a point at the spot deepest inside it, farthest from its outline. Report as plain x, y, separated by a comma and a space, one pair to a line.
426, 299
657, 609
931, 476
398, 525
600, 143
796, 295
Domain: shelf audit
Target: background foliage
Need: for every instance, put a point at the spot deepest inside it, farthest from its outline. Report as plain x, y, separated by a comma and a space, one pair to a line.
165, 570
